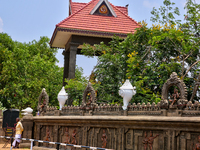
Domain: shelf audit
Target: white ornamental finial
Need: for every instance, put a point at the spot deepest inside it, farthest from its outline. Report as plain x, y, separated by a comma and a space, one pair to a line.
27, 111
62, 97
126, 91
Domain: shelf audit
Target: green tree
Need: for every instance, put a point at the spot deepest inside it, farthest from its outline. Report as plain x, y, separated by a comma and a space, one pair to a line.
75, 87
150, 55
26, 68
110, 71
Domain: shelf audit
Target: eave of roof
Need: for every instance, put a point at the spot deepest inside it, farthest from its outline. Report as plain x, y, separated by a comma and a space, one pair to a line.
86, 32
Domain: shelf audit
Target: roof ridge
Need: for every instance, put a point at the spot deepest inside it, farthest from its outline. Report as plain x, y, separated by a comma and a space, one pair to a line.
121, 6
74, 13
79, 2
125, 14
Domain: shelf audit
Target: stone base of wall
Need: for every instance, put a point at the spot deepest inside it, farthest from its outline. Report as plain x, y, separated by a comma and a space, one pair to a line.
119, 132
42, 148
25, 145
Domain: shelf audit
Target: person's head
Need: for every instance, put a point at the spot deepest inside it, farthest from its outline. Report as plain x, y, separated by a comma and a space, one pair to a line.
17, 119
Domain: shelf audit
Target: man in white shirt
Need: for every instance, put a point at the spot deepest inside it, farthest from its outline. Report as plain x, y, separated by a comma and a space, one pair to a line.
19, 129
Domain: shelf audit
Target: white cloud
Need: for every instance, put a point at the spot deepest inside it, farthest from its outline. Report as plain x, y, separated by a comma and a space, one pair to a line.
148, 4
1, 25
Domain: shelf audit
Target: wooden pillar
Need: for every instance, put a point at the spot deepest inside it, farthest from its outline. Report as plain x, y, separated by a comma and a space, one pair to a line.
72, 60
66, 66
69, 61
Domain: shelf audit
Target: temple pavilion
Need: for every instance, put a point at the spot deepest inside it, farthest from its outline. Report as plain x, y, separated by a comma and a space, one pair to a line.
92, 23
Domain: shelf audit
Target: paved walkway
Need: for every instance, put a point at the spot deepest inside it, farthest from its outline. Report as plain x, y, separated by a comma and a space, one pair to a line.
8, 148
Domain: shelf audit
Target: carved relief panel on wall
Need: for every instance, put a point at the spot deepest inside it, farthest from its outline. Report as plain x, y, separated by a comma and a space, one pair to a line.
46, 134
149, 140
70, 135
188, 141
118, 138
129, 138
102, 137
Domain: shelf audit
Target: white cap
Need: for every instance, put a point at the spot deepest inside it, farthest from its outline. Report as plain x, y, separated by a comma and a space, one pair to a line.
127, 85
28, 110
62, 92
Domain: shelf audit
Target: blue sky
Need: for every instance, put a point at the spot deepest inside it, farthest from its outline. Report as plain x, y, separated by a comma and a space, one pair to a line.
27, 20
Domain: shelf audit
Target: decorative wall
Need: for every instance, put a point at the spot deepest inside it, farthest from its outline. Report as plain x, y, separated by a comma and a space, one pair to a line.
120, 132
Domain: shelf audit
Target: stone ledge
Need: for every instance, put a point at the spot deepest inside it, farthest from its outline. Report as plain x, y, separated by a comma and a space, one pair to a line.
121, 118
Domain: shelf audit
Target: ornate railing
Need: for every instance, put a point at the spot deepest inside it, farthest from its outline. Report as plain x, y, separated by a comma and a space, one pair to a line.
132, 110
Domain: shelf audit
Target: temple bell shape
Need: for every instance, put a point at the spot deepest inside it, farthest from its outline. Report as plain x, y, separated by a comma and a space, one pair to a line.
126, 91
62, 97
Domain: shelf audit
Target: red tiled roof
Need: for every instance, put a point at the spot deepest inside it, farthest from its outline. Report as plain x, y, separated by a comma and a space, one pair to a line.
82, 20
123, 9
76, 6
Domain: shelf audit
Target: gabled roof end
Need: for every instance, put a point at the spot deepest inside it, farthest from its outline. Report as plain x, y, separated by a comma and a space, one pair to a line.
108, 5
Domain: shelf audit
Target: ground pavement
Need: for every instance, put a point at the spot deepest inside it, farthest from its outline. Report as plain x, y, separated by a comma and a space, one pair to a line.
8, 148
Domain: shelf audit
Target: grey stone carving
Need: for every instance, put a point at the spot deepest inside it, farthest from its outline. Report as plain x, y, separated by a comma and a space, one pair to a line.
174, 81
43, 102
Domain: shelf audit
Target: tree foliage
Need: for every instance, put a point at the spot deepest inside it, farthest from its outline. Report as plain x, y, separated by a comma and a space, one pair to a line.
75, 87
149, 56
26, 68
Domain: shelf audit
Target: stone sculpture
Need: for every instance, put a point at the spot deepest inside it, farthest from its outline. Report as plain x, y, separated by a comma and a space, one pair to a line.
47, 135
145, 141
91, 102
197, 145
174, 81
42, 106
151, 139
148, 141
67, 140
104, 139
74, 138
174, 96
